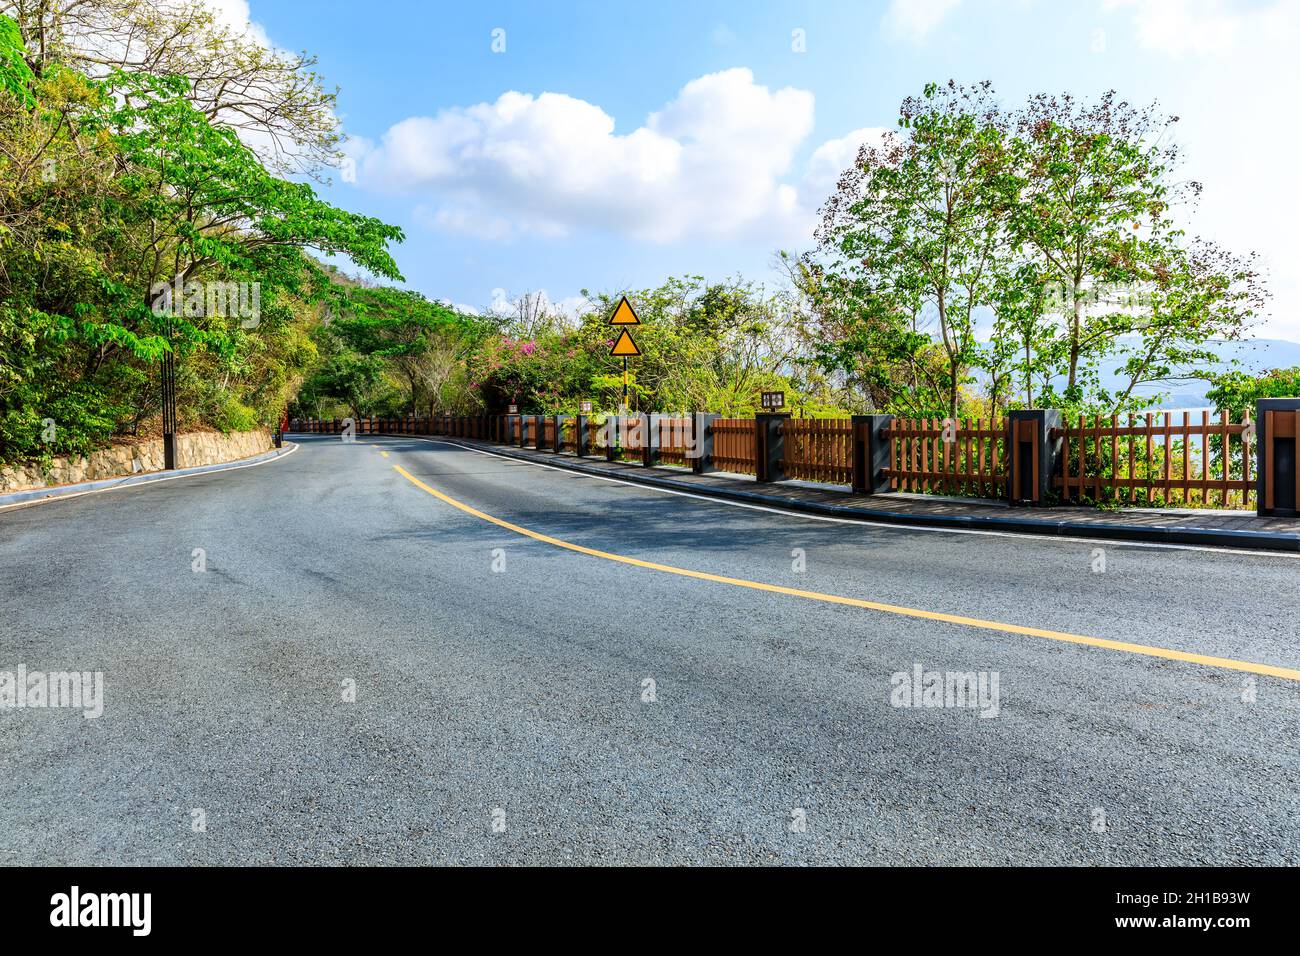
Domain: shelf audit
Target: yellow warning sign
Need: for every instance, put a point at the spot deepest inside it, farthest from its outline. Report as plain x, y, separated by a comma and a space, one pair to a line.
624, 315
624, 347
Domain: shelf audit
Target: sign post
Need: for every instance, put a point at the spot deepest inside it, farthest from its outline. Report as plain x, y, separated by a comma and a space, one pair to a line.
625, 346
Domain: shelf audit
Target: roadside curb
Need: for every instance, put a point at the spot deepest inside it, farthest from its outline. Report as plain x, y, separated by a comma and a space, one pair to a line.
126, 481
1223, 538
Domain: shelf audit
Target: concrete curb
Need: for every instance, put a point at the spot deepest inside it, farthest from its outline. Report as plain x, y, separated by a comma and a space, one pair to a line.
1222, 538
107, 484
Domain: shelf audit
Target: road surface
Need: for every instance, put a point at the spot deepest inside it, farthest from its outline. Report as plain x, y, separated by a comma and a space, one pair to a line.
552, 668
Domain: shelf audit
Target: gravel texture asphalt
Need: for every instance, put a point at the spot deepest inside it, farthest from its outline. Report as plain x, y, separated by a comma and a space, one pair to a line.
501, 711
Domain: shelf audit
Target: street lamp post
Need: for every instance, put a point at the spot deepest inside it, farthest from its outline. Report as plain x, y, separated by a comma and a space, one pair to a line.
169, 409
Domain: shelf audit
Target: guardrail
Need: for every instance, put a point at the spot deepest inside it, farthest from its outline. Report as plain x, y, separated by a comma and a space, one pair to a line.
1032, 457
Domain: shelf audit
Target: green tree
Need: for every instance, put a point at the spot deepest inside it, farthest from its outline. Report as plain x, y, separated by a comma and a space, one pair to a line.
914, 234
108, 192
1238, 391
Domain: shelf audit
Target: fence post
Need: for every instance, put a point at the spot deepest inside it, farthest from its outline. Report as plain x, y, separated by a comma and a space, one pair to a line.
1032, 456
1277, 471
580, 448
871, 454
650, 438
613, 433
701, 455
770, 445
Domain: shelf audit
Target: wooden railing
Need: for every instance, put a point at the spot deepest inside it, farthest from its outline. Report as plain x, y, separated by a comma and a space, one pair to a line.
671, 436
735, 446
1163, 459
631, 438
818, 449
949, 457
1157, 460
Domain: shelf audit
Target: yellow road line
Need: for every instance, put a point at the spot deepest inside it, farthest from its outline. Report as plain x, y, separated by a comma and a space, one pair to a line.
384, 453
1206, 660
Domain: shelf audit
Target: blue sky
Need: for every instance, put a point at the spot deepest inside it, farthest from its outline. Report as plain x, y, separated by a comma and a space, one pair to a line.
611, 145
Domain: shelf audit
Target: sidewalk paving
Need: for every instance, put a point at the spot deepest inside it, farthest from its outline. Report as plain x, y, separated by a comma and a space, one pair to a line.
1235, 529
55, 492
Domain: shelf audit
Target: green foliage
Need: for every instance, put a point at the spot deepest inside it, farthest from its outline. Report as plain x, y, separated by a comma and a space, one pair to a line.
713, 346
1237, 392
16, 76
1058, 221
389, 352
113, 191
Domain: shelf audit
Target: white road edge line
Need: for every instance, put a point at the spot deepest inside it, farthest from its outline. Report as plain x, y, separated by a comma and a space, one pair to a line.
142, 484
877, 524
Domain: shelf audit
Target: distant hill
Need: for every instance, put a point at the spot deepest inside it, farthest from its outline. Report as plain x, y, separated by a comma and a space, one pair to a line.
1255, 355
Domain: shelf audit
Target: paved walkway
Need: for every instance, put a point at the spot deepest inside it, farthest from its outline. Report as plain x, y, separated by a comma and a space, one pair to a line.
1240, 529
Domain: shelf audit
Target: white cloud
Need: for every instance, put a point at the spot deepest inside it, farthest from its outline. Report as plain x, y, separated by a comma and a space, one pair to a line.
832, 157
1177, 27
236, 15
710, 163
1234, 139
915, 20
570, 307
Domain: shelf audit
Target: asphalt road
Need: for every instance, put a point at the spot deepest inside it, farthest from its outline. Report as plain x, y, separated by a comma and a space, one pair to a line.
501, 710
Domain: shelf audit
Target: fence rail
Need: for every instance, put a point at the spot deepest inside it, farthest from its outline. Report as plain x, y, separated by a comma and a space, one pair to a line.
671, 436
1156, 460
818, 449
953, 457
735, 445
1164, 459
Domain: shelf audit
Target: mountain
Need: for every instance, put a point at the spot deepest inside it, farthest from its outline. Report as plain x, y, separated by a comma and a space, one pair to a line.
1254, 355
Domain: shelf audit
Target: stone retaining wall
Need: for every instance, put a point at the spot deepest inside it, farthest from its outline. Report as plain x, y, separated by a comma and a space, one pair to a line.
119, 461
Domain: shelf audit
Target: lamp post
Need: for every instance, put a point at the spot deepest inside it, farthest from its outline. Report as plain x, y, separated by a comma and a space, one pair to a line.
169, 407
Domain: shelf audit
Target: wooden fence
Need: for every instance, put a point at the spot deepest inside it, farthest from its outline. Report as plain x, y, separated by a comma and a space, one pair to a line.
735, 445
631, 439
1163, 459
596, 435
1157, 460
818, 449
671, 437
953, 457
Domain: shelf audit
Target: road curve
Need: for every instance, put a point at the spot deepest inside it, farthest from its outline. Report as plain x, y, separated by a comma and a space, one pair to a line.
522, 702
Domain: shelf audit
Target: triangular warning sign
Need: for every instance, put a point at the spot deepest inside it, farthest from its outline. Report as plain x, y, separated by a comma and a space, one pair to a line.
624, 315
624, 347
